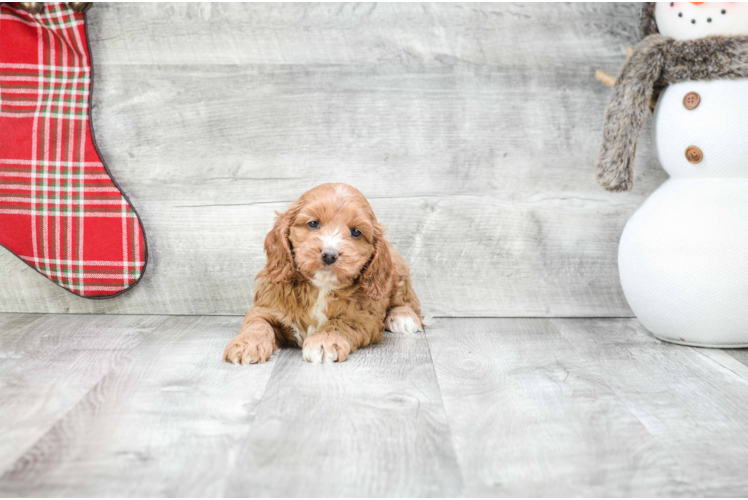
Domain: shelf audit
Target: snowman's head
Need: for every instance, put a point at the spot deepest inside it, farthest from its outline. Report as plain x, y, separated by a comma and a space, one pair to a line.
690, 20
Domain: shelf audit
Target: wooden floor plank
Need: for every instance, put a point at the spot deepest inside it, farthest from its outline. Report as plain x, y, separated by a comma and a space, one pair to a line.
143, 406
11, 326
693, 401
741, 355
49, 363
732, 360
531, 417
167, 423
372, 426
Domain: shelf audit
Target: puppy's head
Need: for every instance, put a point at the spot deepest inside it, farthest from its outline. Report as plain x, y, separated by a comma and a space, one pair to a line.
331, 236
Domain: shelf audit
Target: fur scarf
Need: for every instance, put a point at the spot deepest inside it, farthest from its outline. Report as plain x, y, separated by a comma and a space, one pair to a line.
658, 61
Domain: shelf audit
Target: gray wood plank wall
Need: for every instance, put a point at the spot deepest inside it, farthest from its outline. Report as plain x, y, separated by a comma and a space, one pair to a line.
473, 130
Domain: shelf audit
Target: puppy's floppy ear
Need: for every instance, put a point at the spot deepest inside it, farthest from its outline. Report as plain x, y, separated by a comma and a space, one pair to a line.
377, 276
280, 265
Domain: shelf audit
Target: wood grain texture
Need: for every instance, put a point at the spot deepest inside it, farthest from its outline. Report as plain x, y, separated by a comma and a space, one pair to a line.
358, 33
167, 422
473, 129
694, 402
135, 406
531, 417
10, 325
372, 426
50, 363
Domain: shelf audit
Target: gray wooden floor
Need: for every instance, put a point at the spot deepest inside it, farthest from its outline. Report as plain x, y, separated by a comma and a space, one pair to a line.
142, 405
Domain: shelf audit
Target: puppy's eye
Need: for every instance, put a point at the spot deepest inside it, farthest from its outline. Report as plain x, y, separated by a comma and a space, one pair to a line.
314, 224
355, 233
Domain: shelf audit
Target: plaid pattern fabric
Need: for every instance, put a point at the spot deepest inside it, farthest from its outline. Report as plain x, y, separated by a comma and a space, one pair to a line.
60, 211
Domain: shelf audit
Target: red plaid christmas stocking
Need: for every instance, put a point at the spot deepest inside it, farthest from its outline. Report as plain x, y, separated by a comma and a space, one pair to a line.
60, 210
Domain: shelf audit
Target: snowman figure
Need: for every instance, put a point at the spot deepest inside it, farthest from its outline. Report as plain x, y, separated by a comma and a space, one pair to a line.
683, 255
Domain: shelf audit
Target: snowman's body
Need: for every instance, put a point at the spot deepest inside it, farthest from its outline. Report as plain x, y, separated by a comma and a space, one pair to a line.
683, 256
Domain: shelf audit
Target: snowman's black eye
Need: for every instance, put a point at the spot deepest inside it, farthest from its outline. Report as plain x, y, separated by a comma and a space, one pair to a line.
709, 19
355, 233
680, 14
693, 21
314, 224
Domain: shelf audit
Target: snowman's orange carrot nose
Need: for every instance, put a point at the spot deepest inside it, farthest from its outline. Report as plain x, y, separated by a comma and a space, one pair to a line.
697, 3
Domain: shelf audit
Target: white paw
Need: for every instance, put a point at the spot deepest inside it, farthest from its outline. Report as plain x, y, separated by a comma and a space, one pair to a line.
312, 354
402, 324
325, 347
317, 355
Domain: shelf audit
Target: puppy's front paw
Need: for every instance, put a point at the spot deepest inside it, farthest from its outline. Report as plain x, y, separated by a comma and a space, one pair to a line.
326, 347
246, 349
402, 320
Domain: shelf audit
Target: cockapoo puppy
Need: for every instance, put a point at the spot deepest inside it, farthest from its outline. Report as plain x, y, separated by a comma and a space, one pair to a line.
332, 283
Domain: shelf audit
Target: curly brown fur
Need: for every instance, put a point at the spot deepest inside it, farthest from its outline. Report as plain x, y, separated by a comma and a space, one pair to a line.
328, 309
658, 61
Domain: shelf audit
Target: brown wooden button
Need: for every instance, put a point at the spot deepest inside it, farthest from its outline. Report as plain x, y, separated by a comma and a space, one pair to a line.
691, 100
694, 154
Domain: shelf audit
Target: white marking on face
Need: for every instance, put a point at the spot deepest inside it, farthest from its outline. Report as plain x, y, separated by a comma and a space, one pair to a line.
326, 279
341, 191
331, 240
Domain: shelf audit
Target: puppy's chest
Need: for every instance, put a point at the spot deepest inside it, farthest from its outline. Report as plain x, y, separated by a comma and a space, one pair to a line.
312, 318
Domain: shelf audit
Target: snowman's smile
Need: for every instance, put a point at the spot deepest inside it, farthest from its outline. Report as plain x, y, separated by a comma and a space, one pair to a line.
707, 19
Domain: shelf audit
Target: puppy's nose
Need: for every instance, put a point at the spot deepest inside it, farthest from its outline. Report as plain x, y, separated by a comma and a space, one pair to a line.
329, 256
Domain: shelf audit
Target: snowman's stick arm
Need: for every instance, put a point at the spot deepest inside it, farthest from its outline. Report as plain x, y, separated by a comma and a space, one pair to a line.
610, 80
605, 78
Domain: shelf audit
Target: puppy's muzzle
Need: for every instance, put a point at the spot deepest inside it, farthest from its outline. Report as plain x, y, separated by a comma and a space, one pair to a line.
329, 256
